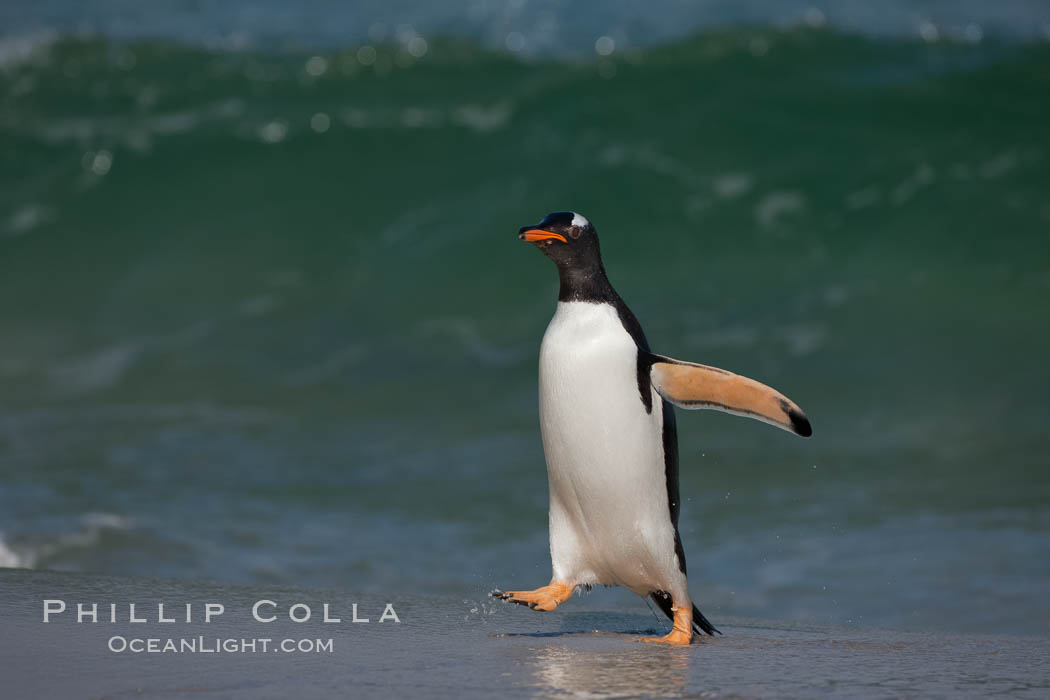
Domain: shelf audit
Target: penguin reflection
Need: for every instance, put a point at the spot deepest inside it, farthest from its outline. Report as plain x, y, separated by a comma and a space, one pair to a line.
644, 671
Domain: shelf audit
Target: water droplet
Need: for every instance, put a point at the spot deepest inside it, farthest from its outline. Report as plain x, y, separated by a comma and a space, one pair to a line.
316, 66
417, 46
320, 122
366, 55
605, 45
274, 132
102, 162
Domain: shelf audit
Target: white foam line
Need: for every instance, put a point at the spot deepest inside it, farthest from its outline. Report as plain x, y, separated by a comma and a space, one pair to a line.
10, 559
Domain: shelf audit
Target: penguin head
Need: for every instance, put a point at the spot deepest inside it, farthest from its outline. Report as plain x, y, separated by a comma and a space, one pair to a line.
567, 238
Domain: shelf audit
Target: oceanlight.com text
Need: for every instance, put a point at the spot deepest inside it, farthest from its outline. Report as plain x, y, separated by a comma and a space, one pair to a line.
217, 645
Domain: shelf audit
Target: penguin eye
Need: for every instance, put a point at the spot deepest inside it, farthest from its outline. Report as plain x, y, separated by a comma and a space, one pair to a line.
574, 232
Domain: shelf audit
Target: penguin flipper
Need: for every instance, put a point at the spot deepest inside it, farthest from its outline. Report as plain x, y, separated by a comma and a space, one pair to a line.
692, 386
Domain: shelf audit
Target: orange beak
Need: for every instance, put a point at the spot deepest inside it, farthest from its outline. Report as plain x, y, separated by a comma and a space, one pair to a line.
533, 235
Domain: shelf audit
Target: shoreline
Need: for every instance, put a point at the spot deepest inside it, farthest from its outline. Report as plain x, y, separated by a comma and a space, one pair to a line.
450, 647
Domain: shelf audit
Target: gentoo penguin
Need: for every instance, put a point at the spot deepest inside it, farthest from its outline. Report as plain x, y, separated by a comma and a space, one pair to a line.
609, 438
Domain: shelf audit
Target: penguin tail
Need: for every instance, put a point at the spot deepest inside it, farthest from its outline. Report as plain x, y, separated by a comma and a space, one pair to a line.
700, 623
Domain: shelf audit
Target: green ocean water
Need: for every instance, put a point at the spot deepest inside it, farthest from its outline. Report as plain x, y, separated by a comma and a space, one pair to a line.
264, 316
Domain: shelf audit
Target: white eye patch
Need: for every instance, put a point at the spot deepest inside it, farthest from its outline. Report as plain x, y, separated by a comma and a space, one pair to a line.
580, 220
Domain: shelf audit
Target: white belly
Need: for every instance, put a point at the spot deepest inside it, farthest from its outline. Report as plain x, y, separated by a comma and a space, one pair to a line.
609, 518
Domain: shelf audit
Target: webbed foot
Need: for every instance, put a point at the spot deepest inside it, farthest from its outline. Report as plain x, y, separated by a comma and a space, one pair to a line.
546, 598
682, 632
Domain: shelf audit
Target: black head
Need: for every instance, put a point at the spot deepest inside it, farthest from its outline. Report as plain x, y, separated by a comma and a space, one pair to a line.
567, 238
571, 242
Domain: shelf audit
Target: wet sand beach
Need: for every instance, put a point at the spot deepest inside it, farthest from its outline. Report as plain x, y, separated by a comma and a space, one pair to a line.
448, 647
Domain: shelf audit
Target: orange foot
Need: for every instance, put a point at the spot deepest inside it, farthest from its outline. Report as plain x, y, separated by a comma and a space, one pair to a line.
546, 598
682, 632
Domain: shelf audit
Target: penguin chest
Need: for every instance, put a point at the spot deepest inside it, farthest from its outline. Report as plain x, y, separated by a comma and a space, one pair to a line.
610, 521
